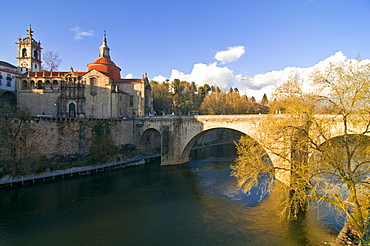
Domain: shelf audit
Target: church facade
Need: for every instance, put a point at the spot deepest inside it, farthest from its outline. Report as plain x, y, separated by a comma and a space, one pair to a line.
99, 92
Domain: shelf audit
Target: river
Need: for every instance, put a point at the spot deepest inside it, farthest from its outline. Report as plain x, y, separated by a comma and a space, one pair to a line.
191, 204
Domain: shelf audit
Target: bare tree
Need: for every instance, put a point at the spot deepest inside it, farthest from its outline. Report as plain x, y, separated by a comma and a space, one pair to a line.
322, 137
220, 102
14, 133
51, 60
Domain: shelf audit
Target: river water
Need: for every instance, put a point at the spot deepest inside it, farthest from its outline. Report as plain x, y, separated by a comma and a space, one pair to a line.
191, 204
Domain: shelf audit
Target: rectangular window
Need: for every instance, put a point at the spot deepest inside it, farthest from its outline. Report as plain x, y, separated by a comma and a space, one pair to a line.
8, 80
131, 101
93, 89
92, 82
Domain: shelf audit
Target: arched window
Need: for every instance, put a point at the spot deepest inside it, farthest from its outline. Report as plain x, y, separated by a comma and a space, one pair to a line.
24, 85
36, 54
72, 110
55, 85
47, 85
39, 85
93, 88
24, 52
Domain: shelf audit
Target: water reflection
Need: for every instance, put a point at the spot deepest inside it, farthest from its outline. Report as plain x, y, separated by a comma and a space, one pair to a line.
192, 204
261, 210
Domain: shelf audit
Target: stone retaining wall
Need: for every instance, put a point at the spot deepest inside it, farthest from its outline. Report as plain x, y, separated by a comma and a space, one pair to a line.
62, 136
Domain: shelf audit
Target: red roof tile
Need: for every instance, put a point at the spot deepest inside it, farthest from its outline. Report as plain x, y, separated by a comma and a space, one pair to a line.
104, 60
106, 66
8, 71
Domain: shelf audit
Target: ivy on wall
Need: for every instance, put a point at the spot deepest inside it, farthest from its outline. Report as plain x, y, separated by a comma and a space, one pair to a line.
102, 148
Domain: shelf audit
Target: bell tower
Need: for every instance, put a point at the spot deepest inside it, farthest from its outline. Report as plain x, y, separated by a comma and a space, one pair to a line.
104, 50
29, 53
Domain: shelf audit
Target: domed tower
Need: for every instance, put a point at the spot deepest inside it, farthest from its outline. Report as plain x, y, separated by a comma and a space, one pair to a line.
104, 64
29, 53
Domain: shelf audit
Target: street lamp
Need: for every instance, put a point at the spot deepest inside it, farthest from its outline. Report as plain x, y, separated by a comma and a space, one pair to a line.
245, 84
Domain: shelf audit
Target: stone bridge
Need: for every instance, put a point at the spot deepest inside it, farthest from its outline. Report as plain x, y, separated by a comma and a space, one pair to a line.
180, 133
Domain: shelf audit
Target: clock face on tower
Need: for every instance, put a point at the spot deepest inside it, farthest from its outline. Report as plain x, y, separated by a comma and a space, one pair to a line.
24, 64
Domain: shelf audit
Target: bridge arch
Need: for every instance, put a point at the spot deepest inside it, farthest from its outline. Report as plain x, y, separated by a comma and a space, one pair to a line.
179, 133
150, 140
358, 147
261, 151
188, 147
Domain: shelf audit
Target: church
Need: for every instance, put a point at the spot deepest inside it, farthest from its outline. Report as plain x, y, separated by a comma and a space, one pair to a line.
100, 92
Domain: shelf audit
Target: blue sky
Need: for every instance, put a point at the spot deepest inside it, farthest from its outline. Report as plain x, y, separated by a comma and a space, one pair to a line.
183, 38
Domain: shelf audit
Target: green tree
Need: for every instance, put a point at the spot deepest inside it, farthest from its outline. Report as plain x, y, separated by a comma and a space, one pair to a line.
182, 97
162, 97
323, 168
193, 87
207, 88
202, 92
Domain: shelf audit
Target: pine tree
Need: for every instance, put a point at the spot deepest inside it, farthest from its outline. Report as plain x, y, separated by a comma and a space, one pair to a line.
264, 100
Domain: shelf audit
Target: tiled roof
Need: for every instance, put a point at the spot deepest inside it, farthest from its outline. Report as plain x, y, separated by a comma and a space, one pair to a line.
106, 66
2, 63
128, 80
104, 60
8, 71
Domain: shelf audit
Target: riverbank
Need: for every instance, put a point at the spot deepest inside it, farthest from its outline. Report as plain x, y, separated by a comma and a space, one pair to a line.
9, 181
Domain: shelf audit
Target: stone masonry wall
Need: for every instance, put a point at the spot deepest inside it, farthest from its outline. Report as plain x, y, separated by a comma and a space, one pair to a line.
40, 102
63, 136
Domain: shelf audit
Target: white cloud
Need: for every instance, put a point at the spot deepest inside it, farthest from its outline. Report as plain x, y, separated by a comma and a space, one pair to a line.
129, 76
337, 57
230, 55
255, 86
159, 78
266, 83
210, 74
80, 34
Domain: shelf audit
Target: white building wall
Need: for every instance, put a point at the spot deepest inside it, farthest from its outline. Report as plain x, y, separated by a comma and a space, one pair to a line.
8, 77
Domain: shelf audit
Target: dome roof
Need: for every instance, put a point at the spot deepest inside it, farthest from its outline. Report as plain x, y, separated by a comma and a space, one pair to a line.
104, 64
112, 71
104, 60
